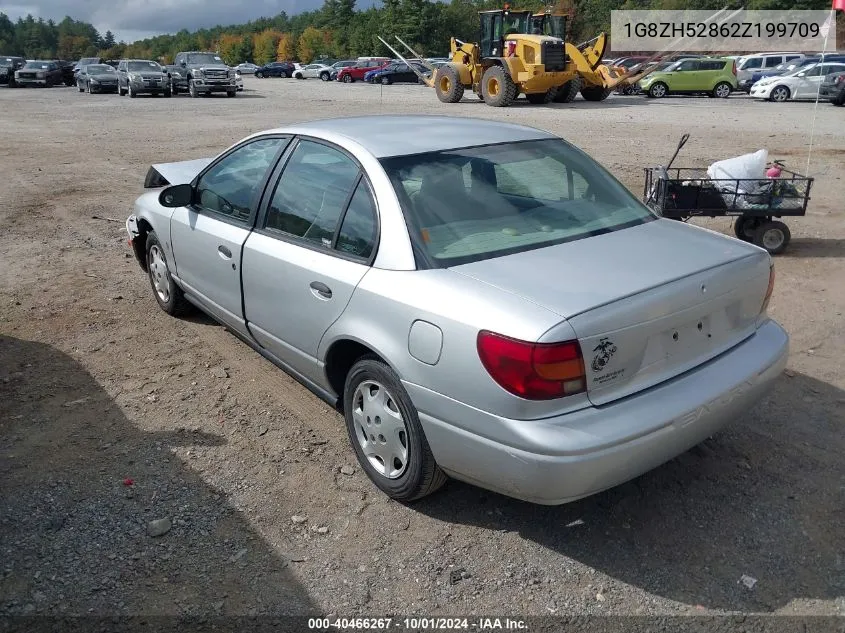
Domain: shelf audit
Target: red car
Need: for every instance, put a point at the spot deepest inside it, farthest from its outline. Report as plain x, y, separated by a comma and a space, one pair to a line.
357, 72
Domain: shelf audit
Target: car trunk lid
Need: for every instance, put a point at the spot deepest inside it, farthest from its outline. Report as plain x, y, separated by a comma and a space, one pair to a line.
646, 303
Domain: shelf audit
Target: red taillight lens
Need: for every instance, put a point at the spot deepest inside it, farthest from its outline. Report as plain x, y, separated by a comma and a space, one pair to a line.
534, 371
769, 290
840, 79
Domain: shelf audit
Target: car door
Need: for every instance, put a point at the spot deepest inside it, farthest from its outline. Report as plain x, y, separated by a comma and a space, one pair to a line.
299, 269
684, 77
207, 237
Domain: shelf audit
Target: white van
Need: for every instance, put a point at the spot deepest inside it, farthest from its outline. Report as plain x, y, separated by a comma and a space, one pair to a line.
747, 65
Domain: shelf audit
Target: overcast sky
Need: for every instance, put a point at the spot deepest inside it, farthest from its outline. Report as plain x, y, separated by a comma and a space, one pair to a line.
131, 20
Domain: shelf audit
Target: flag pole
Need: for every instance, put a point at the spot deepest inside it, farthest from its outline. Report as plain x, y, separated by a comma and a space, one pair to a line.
830, 23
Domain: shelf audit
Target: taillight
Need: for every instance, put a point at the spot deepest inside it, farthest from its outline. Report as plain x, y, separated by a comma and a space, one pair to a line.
769, 290
840, 79
733, 70
534, 371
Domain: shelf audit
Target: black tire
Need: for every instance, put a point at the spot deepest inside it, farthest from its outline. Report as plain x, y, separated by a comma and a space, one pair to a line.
773, 236
232, 93
421, 476
325, 76
498, 87
298, 76
80, 88
722, 90
132, 93
176, 304
539, 98
595, 93
192, 89
174, 90
838, 101
568, 91
780, 94
386, 81
120, 91
88, 87
658, 90
745, 227
168, 93
347, 79
288, 74
447, 84
259, 75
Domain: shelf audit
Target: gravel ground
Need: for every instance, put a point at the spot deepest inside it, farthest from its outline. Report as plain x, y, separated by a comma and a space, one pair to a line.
150, 465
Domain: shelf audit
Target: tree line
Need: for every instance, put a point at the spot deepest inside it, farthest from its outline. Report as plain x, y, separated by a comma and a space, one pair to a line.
337, 30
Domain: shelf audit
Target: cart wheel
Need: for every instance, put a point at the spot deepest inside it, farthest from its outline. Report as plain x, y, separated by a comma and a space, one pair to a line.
745, 228
773, 236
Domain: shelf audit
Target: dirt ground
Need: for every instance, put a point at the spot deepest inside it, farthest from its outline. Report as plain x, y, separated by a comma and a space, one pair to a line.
99, 387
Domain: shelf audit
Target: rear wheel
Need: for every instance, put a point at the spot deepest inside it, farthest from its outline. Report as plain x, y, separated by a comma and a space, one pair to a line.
722, 90
498, 88
568, 91
325, 76
745, 227
840, 100
385, 432
288, 74
259, 74
779, 93
658, 90
386, 81
773, 236
447, 84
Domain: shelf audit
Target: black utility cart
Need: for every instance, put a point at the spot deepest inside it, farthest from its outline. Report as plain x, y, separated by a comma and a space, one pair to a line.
683, 192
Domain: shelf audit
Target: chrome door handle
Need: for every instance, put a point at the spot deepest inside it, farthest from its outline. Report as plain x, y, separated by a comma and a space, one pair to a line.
321, 289
225, 253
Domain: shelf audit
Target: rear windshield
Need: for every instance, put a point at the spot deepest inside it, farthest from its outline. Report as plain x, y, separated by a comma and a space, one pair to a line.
465, 205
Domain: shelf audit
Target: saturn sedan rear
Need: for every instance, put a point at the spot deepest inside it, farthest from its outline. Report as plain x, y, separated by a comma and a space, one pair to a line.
481, 300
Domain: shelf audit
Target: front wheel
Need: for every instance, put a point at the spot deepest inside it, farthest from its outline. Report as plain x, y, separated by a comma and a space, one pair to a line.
325, 76
259, 74
447, 84
658, 90
773, 236
80, 87
120, 91
386, 81
745, 228
132, 93
779, 94
385, 432
347, 79
231, 93
722, 90
169, 296
192, 89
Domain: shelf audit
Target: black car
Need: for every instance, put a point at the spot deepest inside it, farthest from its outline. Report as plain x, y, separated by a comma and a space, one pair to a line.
96, 78
68, 71
8, 65
275, 69
399, 73
833, 88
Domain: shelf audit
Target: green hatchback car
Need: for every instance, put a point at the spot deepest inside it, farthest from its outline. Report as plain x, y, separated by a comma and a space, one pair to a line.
715, 77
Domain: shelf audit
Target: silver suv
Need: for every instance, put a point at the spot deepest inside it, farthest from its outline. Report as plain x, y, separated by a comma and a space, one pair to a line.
747, 65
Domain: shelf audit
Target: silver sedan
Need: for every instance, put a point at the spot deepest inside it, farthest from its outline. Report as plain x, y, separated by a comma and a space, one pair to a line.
481, 300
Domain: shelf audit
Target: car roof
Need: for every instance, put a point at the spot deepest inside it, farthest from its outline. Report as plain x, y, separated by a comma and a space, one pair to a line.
400, 135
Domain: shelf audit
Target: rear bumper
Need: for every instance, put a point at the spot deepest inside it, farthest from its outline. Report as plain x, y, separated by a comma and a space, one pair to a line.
562, 459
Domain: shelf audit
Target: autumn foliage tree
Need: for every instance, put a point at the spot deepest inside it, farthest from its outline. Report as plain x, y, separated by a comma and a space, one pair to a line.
265, 45
313, 43
285, 50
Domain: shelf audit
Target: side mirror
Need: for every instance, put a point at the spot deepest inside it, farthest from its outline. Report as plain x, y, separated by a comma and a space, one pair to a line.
176, 196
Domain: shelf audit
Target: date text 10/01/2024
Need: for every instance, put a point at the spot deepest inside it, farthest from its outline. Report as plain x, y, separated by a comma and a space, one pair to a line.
417, 624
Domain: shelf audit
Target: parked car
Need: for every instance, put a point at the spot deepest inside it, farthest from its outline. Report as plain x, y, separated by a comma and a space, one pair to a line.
85, 61
635, 88
786, 67
336, 69
357, 71
247, 68
201, 73
747, 65
275, 69
96, 78
801, 83
39, 73
543, 386
397, 73
66, 68
8, 65
715, 77
833, 89
142, 76
312, 71
239, 80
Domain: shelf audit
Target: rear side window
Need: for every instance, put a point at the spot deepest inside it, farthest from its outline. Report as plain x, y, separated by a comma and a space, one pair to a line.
717, 64
469, 204
771, 62
752, 62
312, 193
357, 235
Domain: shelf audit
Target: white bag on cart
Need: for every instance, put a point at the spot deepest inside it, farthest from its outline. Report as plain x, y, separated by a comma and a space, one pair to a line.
749, 170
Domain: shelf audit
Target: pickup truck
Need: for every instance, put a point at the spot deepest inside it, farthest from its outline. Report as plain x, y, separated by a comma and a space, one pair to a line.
198, 72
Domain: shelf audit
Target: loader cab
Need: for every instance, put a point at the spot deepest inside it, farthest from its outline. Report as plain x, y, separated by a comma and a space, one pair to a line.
549, 25
497, 25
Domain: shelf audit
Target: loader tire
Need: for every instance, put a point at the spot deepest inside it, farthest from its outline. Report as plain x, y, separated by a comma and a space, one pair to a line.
568, 91
498, 88
595, 93
447, 84
541, 97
